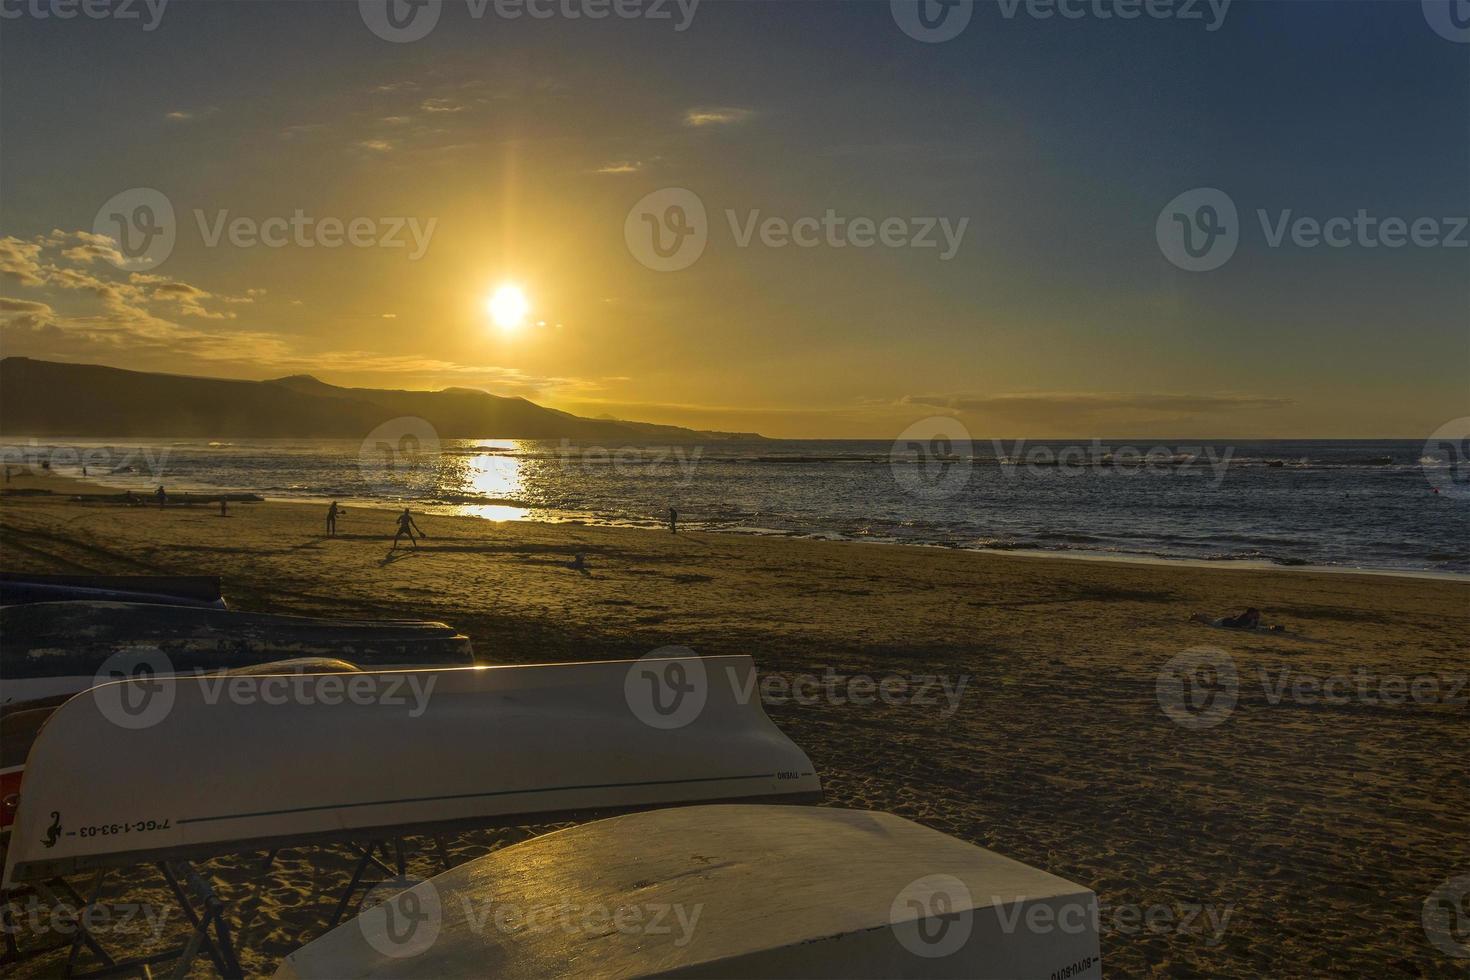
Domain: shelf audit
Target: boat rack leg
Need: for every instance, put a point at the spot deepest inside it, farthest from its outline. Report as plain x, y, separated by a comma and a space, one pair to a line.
251, 908
81, 925
219, 948
368, 858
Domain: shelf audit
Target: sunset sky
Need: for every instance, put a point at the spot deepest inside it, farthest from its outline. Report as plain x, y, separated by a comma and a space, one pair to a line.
523, 144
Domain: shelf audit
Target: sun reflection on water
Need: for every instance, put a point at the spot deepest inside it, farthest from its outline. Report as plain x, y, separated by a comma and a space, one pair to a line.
498, 478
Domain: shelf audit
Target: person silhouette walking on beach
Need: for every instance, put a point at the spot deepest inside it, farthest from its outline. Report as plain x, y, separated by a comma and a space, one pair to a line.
407, 526
673, 521
332, 512
161, 496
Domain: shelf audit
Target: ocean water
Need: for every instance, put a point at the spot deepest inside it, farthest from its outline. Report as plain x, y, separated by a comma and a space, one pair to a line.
1349, 504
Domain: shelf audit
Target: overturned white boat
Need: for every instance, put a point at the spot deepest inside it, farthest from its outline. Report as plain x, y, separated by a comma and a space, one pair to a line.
161, 768
725, 891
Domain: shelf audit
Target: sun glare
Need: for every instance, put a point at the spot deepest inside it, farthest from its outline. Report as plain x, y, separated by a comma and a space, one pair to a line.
508, 308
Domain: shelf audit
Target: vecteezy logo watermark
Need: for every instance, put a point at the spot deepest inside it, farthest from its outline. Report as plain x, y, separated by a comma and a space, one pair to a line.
402, 21
1446, 917
304, 231
1129, 919
667, 693
95, 460
933, 916
1446, 458
631, 461
399, 453
1075, 460
667, 230
933, 21
918, 690
140, 222
591, 919
1289, 684
931, 459
1449, 18
1198, 688
839, 231
142, 226
124, 919
141, 698
1199, 230
404, 918
147, 686
150, 12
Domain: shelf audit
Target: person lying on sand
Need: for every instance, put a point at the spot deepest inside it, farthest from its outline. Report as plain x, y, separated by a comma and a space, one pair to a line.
1248, 620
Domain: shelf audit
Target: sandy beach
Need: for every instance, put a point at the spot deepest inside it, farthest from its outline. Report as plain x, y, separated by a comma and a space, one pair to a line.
1299, 836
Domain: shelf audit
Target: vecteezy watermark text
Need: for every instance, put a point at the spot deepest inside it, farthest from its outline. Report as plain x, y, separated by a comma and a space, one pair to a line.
837, 231
861, 690
669, 688
403, 917
148, 687
1201, 687
34, 917
403, 21
150, 12
1200, 230
933, 21
143, 228
96, 460
669, 229
304, 231
631, 460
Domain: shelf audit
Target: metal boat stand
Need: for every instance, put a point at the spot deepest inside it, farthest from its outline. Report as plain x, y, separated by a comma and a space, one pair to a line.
211, 933
368, 859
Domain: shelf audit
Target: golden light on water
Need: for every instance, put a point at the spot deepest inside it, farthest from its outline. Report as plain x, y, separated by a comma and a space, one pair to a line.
508, 308
497, 478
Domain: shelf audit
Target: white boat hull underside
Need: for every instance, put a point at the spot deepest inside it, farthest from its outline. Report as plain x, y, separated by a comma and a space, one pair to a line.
244, 762
725, 891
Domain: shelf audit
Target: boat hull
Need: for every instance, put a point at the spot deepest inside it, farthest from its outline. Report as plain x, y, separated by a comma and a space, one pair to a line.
256, 761
725, 891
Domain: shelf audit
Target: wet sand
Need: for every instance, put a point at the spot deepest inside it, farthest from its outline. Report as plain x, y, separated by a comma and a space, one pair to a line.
1314, 830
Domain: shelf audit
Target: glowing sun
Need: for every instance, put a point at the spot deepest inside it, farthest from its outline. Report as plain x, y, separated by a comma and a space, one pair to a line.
508, 308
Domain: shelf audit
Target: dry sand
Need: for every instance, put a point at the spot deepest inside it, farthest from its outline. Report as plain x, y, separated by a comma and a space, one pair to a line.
1318, 828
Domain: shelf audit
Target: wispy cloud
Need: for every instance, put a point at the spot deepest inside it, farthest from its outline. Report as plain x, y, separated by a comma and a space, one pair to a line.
190, 115
621, 167
716, 115
441, 105
136, 318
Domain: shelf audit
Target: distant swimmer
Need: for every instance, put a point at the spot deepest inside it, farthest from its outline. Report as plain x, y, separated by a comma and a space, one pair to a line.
332, 513
161, 496
407, 526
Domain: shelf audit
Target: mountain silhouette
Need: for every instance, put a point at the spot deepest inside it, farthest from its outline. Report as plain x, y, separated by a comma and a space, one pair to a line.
49, 398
